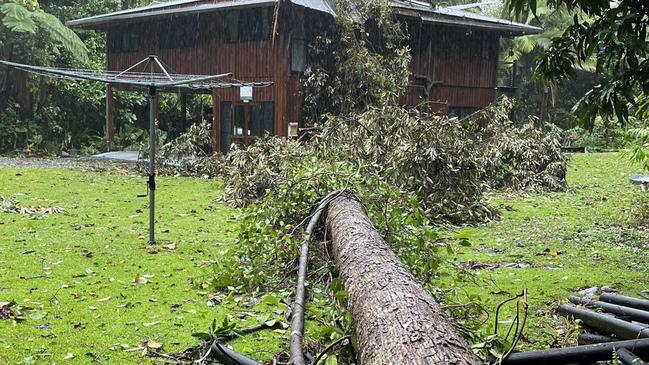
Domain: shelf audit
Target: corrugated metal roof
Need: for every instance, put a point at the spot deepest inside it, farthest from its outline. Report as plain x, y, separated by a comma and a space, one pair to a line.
168, 10
457, 13
422, 10
153, 6
191, 7
453, 16
324, 6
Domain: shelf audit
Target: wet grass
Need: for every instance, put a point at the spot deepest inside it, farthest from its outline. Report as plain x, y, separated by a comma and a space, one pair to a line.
585, 237
93, 288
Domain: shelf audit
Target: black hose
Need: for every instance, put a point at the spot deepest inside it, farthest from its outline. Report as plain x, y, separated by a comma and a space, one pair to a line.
629, 358
297, 321
637, 303
226, 356
617, 327
579, 354
619, 310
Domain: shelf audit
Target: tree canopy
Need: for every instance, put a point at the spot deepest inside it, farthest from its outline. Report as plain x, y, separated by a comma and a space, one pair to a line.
614, 34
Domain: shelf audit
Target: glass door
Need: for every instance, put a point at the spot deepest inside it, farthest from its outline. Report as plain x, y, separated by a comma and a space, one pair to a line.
245, 123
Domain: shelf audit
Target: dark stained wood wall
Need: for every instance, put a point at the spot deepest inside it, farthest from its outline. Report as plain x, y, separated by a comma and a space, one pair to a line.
264, 60
461, 63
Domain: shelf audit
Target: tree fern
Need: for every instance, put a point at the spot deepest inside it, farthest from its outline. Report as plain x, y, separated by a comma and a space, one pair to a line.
61, 34
21, 20
17, 18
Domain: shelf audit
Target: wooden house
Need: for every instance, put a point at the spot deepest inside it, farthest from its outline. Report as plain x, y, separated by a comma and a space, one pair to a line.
454, 64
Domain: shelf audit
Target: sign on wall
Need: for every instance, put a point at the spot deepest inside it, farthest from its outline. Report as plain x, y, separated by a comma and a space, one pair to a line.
246, 93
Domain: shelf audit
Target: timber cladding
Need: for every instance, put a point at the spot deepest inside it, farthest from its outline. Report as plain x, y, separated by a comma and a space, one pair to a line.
453, 68
460, 63
212, 49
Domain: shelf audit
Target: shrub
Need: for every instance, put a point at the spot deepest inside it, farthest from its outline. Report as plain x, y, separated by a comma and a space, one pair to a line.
190, 154
410, 169
524, 156
270, 230
528, 158
253, 171
431, 157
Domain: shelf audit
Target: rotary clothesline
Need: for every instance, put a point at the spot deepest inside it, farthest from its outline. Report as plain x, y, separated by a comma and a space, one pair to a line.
141, 79
150, 81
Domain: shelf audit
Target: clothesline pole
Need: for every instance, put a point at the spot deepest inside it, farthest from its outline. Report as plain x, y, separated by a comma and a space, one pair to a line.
152, 142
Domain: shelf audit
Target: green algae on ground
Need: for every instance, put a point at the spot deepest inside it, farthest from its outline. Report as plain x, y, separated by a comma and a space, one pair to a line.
585, 237
95, 286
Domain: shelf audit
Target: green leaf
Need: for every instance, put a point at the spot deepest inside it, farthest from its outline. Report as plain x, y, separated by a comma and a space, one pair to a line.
202, 336
61, 34
37, 315
271, 323
331, 360
17, 18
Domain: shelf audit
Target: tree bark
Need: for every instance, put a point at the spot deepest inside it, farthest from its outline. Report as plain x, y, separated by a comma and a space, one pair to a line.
395, 320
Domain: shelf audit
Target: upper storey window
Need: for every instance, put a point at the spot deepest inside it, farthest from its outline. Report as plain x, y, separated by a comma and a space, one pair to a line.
179, 32
248, 25
124, 39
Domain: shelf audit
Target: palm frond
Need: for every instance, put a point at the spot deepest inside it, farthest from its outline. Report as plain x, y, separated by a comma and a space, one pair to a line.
61, 34
17, 18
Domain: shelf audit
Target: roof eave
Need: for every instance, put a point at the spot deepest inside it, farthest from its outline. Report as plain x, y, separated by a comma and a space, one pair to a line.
508, 29
100, 22
513, 30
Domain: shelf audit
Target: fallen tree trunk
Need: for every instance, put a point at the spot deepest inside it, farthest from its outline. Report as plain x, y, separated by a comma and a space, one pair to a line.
395, 320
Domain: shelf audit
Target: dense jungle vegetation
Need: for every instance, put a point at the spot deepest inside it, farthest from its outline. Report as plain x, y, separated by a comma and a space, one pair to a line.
445, 193
38, 121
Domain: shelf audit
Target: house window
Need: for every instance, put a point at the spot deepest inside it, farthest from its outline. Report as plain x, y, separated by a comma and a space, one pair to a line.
226, 126
178, 33
298, 55
298, 43
461, 112
124, 40
248, 25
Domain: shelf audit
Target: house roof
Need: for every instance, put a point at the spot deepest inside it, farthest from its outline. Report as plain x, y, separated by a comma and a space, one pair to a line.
178, 7
459, 17
410, 8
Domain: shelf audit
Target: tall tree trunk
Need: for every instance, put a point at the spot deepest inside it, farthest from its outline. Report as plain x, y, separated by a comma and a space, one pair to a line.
395, 320
5, 95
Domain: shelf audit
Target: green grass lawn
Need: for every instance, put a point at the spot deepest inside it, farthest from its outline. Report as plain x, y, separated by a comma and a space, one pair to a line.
583, 238
96, 289
94, 285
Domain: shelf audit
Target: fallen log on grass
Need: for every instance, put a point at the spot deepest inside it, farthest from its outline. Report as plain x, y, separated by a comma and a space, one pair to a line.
395, 320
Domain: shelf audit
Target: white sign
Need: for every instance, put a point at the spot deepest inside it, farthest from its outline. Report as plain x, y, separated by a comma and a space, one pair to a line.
246, 93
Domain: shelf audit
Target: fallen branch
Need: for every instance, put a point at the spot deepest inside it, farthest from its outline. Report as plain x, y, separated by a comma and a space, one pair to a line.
329, 348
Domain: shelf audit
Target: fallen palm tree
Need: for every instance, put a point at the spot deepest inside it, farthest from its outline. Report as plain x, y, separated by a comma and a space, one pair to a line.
395, 320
